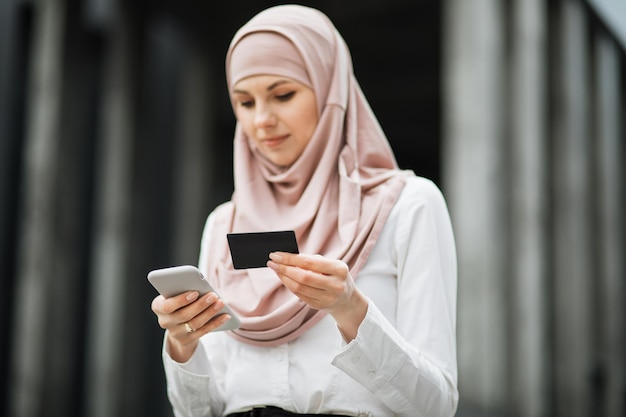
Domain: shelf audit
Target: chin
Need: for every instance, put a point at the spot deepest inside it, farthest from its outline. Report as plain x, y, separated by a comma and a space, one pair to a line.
282, 164
281, 161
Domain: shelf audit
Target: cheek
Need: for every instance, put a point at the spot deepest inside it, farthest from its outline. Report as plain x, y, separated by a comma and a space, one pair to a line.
304, 122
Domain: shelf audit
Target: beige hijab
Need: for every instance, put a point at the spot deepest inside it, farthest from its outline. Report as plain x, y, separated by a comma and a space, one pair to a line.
336, 196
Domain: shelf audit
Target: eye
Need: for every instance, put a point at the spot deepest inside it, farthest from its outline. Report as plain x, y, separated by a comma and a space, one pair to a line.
286, 97
244, 100
246, 103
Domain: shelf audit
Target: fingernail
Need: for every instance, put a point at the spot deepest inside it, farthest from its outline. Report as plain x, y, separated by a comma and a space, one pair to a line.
276, 257
211, 298
272, 265
192, 296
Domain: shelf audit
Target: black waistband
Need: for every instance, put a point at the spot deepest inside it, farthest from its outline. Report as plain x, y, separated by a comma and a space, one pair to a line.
271, 411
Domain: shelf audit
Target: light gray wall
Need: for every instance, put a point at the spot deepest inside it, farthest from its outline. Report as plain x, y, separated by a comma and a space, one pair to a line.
533, 150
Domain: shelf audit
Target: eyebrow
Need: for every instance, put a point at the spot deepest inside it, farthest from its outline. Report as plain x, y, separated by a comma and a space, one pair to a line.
269, 88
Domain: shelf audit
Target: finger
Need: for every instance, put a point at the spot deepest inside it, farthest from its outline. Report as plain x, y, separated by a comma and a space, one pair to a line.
208, 309
206, 316
213, 324
180, 315
205, 323
157, 304
315, 263
297, 276
297, 259
166, 308
313, 270
205, 303
208, 320
316, 296
309, 286
162, 305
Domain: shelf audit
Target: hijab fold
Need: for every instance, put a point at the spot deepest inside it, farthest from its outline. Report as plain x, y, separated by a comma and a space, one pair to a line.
336, 196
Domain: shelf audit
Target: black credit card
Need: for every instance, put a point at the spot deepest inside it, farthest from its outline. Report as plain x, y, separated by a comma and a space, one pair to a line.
251, 250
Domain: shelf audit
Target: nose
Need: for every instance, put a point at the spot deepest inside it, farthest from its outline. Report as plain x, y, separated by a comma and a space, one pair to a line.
264, 116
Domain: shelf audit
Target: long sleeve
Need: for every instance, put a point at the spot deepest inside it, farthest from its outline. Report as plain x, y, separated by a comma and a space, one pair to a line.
402, 362
191, 389
411, 366
193, 386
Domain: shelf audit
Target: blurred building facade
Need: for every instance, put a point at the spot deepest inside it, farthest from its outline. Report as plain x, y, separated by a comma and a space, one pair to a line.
534, 172
115, 143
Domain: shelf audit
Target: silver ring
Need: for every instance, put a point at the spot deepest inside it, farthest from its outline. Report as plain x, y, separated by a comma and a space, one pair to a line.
189, 328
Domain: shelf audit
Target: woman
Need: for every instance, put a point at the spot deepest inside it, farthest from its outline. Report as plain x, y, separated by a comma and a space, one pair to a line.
362, 322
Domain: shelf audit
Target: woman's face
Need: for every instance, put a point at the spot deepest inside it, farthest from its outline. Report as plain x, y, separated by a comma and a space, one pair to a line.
278, 114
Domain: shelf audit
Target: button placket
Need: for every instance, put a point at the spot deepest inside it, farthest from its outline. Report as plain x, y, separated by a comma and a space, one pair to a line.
281, 368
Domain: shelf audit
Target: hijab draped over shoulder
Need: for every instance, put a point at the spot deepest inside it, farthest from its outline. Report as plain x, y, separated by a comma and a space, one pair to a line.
336, 196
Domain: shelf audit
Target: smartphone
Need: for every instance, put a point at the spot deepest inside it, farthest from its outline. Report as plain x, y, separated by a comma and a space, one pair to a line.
179, 279
252, 250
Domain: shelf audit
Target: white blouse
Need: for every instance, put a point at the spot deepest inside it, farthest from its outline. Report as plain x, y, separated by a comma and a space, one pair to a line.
402, 362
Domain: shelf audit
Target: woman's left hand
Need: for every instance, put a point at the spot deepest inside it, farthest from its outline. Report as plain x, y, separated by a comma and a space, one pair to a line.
324, 284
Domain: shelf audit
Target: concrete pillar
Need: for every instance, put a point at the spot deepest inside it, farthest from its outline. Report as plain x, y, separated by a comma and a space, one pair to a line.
36, 252
571, 148
529, 197
474, 178
610, 186
111, 234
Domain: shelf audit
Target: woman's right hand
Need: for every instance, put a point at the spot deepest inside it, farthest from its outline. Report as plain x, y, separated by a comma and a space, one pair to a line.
187, 317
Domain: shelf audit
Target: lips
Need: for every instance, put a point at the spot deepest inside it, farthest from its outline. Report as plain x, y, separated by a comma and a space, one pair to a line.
274, 140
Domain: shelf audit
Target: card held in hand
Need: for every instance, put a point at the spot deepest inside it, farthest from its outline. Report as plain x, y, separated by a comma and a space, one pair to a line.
251, 250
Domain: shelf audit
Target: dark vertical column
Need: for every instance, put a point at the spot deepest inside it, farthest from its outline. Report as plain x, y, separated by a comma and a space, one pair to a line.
65, 319
196, 155
571, 214
474, 176
13, 47
610, 184
157, 146
107, 347
36, 252
529, 196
